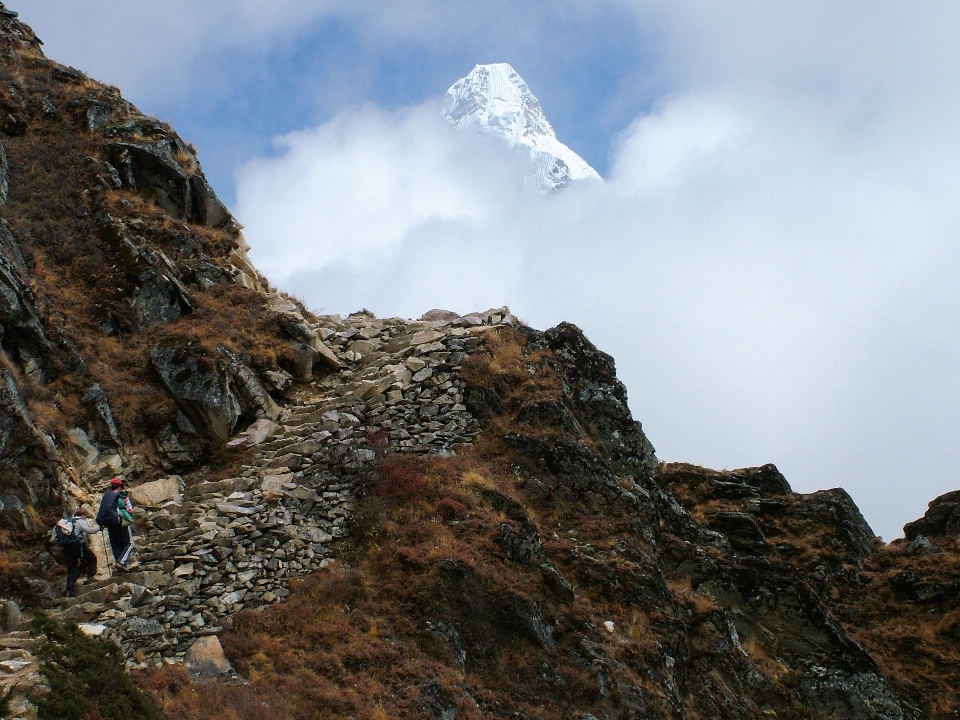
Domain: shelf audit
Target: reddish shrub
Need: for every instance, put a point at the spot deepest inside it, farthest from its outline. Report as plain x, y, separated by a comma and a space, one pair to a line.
399, 481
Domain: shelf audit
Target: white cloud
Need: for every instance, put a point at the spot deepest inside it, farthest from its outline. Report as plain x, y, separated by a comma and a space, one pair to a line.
764, 274
355, 188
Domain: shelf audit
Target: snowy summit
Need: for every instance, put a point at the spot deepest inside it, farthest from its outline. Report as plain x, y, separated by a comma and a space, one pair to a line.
494, 100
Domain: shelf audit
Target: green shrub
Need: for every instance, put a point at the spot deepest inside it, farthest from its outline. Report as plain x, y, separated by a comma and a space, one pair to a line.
86, 675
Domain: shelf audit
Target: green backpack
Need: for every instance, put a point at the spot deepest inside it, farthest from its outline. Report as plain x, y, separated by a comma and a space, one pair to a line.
125, 517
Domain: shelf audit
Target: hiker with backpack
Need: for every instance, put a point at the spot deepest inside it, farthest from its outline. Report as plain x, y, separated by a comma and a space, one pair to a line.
71, 535
116, 516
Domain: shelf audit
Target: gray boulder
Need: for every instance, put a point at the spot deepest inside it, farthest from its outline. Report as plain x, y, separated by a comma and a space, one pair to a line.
103, 428
250, 391
201, 390
4, 176
157, 300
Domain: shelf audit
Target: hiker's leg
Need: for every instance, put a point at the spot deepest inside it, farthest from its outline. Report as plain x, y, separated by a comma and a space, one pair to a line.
128, 548
119, 538
72, 555
89, 562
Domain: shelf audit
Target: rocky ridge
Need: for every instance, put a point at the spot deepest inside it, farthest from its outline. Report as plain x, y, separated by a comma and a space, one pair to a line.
477, 525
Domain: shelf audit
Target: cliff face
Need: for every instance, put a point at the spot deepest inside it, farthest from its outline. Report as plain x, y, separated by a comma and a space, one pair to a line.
119, 271
449, 517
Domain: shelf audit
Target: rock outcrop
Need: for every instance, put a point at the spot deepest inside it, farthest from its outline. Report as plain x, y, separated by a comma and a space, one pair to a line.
942, 518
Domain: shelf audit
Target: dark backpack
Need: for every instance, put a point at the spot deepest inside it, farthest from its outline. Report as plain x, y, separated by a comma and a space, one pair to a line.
65, 533
108, 515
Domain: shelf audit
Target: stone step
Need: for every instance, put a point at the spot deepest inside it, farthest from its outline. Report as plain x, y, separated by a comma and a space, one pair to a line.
103, 591
165, 536
229, 485
301, 430
304, 409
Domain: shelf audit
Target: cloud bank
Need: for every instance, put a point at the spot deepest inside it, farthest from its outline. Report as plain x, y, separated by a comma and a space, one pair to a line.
773, 274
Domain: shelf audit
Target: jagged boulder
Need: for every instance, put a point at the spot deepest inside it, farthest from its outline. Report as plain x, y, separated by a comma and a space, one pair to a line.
213, 392
168, 173
767, 479
103, 429
600, 400
253, 396
942, 518
203, 393
836, 510
308, 349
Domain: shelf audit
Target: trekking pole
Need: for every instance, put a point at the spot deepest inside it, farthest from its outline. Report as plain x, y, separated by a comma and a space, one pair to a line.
106, 554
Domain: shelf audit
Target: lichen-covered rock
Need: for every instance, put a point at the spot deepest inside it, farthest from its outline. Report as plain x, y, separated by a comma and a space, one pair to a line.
157, 300
600, 399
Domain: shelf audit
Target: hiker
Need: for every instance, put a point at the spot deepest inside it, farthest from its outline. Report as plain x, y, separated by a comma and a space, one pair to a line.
115, 516
71, 535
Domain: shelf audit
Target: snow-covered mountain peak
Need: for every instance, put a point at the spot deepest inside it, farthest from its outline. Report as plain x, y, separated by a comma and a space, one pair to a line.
494, 100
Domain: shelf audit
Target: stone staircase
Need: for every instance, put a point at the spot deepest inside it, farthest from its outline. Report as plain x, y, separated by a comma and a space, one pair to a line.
207, 550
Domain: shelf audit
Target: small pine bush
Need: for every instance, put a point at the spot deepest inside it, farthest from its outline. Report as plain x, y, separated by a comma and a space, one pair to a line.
86, 675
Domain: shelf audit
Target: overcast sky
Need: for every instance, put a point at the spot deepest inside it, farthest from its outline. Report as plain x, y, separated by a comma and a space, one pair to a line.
772, 258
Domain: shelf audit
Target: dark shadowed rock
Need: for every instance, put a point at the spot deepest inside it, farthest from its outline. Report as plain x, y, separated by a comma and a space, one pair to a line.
28, 459
155, 170
157, 300
835, 509
24, 337
207, 208
202, 391
742, 528
152, 170
600, 400
766, 478
942, 518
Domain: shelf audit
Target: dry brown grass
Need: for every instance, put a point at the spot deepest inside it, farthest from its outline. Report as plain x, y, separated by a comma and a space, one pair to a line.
187, 161
353, 640
915, 642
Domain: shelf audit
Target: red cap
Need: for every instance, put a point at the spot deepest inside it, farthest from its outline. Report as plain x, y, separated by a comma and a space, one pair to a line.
116, 482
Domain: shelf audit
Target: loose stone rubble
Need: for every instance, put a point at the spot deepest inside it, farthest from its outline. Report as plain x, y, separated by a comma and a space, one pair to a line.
208, 550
